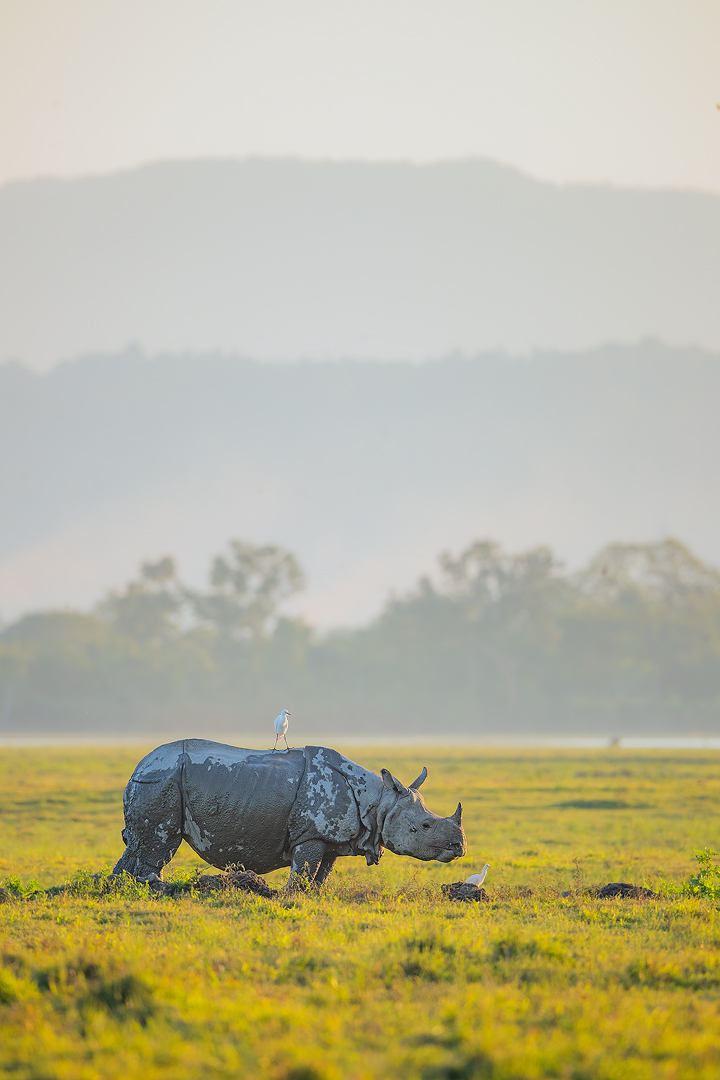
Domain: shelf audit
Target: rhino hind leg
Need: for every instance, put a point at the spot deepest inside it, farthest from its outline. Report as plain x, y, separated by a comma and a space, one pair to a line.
153, 828
307, 859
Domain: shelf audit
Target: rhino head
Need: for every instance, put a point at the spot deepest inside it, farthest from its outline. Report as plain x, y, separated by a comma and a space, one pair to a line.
410, 828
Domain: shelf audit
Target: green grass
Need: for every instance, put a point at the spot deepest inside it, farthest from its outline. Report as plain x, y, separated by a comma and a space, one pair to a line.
378, 976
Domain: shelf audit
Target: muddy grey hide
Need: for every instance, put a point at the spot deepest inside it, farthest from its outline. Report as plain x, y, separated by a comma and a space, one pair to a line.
302, 808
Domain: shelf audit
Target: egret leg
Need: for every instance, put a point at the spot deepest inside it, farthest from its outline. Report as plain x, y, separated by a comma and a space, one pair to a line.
286, 742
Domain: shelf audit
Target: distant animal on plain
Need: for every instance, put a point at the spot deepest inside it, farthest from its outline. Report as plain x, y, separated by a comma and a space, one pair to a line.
477, 879
303, 809
281, 726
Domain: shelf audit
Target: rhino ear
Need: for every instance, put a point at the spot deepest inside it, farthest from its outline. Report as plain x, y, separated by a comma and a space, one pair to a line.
420, 780
392, 783
457, 816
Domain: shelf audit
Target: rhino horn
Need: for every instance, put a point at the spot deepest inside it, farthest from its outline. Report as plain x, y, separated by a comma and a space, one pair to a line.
457, 816
392, 783
420, 780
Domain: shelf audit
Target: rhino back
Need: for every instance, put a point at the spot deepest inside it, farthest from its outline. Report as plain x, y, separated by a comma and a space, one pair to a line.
237, 803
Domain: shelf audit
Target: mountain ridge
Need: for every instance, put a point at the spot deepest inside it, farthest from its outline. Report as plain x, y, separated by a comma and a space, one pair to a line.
287, 258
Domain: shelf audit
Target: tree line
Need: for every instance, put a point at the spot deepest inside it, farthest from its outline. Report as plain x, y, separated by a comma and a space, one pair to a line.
492, 643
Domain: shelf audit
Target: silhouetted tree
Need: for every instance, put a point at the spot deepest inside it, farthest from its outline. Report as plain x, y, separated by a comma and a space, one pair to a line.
248, 583
494, 641
666, 572
150, 607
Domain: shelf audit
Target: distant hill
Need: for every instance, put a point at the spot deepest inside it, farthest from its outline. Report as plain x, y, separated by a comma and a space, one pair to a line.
364, 470
284, 259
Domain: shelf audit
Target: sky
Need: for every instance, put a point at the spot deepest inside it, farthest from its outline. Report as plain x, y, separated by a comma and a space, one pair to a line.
567, 90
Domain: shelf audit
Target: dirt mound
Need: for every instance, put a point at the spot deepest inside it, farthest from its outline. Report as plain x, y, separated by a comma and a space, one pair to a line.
463, 891
245, 880
622, 890
625, 890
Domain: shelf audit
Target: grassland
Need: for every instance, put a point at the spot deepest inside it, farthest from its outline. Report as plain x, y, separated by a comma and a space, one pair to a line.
378, 975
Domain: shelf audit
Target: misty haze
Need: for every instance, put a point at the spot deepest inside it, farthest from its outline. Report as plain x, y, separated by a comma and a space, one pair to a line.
573, 489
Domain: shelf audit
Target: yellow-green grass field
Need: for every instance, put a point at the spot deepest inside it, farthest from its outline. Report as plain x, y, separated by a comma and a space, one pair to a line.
378, 975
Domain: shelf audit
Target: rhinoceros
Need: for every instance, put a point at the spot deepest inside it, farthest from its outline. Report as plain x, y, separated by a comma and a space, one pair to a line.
301, 808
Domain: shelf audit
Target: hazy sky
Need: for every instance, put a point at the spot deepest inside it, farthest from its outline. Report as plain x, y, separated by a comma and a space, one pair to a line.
619, 90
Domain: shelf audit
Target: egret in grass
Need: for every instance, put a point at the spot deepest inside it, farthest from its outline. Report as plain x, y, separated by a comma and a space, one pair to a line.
477, 879
281, 726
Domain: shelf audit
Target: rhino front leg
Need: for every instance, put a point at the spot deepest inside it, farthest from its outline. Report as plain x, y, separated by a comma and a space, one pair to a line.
328, 861
306, 861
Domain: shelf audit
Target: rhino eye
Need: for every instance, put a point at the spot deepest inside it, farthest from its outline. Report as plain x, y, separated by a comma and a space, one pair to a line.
426, 825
